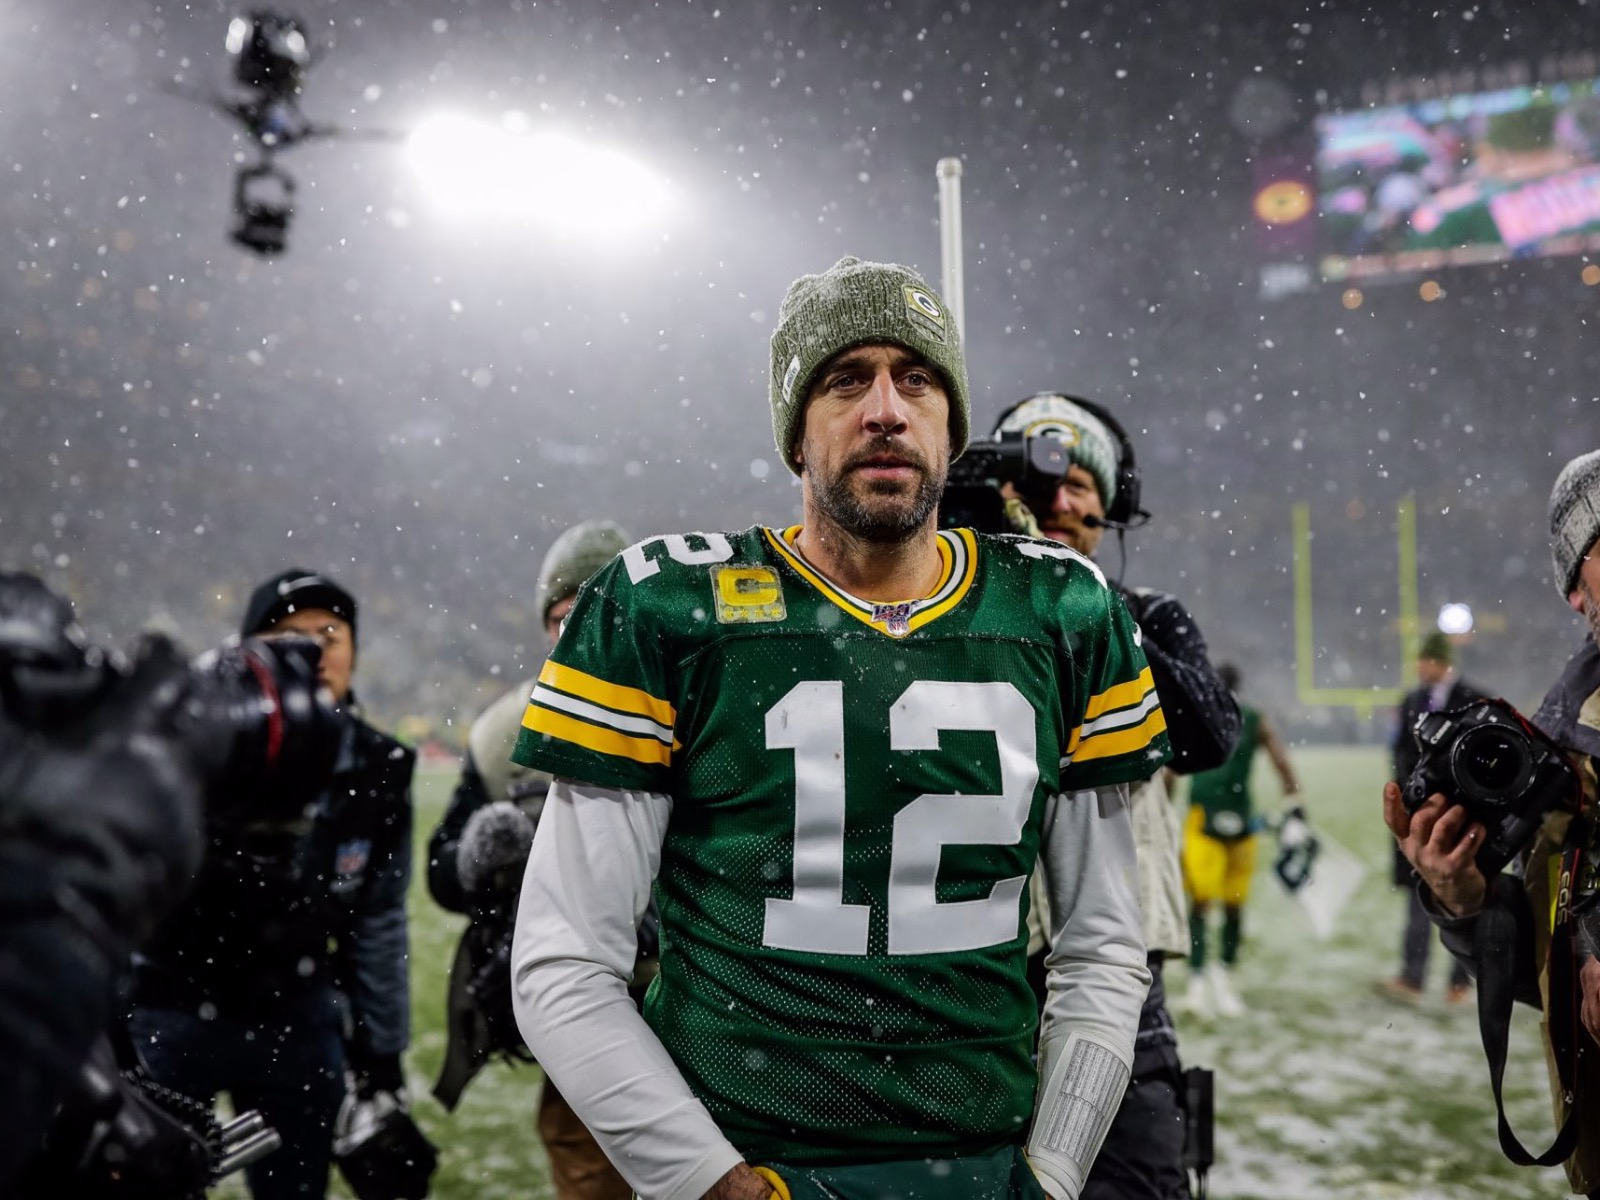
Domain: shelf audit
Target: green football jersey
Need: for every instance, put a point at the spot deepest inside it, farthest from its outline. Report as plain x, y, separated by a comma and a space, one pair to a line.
857, 797
1223, 793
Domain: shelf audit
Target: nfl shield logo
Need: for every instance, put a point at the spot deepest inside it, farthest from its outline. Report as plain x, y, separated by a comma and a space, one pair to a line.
895, 617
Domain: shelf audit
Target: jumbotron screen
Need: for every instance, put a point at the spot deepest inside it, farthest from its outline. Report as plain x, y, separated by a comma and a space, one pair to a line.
1476, 177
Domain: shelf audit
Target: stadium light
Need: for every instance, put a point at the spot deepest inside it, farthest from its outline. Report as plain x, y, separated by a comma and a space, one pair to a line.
472, 168
1455, 619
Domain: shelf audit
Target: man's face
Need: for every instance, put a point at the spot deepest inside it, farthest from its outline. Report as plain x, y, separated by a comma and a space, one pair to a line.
1431, 671
1076, 497
875, 442
1585, 597
557, 614
332, 633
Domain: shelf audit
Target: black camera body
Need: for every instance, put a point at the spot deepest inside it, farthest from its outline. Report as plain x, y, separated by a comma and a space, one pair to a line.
1504, 772
249, 713
1034, 465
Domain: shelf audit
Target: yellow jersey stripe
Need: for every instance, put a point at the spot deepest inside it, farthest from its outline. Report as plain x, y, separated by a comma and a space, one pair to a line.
935, 611
1123, 695
1122, 741
624, 699
593, 737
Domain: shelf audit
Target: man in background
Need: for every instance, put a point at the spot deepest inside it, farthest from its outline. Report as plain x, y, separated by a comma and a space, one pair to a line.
1219, 852
1438, 688
464, 876
245, 988
1142, 1157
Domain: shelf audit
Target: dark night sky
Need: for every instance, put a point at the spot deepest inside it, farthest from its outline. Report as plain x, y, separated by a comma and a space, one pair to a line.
419, 404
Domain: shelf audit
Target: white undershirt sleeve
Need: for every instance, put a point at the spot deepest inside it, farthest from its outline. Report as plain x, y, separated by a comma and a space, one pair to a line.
1096, 983
586, 887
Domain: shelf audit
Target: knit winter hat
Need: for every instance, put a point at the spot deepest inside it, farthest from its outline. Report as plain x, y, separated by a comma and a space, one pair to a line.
854, 303
573, 557
1574, 518
1088, 442
1438, 646
292, 591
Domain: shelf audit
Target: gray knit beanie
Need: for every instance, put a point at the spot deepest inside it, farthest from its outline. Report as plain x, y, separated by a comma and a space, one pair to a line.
1574, 517
856, 303
573, 557
1088, 442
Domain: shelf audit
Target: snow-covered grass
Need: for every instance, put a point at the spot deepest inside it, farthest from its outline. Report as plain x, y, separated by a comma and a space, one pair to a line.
1325, 1090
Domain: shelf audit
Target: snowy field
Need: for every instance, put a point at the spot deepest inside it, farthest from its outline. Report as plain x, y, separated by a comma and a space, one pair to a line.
1325, 1090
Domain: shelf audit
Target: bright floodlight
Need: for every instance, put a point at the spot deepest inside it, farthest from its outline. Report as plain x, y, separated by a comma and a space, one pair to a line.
1455, 619
477, 169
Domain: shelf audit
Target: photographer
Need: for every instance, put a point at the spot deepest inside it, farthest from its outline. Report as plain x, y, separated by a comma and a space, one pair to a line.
99, 837
1142, 1157
293, 919
475, 865
1495, 924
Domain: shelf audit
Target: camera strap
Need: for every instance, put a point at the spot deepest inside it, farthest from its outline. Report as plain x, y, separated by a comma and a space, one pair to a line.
1495, 949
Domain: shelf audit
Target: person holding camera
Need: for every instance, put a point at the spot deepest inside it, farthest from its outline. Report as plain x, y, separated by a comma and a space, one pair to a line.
288, 964
1439, 688
1523, 931
475, 862
1143, 1154
99, 838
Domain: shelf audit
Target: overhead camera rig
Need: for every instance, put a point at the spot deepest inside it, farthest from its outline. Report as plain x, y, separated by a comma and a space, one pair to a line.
271, 54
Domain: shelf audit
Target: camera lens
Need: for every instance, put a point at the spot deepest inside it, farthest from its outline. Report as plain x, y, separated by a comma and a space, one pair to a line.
1492, 763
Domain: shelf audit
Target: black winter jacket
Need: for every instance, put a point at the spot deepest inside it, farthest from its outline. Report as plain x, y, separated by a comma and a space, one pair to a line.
320, 905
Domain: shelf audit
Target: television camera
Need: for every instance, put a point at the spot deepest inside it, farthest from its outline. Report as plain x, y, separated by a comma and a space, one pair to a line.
271, 53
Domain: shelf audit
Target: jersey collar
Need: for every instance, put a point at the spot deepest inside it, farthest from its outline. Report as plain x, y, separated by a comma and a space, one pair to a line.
958, 554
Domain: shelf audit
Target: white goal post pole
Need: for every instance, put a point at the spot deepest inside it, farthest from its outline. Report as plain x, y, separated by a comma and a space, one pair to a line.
949, 172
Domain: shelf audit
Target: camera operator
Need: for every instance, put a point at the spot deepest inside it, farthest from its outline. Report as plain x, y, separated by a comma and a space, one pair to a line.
292, 920
99, 837
475, 865
1496, 924
1143, 1154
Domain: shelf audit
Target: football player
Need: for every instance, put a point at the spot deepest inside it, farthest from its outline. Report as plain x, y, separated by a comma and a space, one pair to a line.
836, 751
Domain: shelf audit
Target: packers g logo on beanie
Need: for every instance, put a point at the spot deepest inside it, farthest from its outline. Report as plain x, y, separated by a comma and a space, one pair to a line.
855, 303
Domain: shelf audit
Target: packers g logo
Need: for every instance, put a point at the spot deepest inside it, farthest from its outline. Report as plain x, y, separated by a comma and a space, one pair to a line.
924, 310
1067, 435
747, 595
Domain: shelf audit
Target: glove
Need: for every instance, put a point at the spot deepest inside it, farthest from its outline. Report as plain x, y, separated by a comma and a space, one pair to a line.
376, 1073
110, 810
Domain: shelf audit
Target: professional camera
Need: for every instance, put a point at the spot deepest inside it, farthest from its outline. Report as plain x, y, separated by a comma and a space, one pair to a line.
1488, 758
249, 713
250, 718
1033, 465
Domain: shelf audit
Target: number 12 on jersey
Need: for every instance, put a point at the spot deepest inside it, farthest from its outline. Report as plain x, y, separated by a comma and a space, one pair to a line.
809, 720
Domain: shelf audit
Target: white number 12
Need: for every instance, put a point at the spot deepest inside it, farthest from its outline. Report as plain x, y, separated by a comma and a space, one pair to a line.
810, 721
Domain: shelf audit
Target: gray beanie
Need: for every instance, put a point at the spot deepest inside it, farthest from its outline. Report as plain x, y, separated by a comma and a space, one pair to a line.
1088, 442
1574, 517
573, 557
856, 303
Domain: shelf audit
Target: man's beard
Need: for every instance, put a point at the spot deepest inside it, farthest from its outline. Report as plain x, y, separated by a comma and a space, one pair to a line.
896, 516
1591, 609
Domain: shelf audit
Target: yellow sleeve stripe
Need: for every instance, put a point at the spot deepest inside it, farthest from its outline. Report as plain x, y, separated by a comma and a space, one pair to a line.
624, 699
593, 737
1122, 695
1123, 741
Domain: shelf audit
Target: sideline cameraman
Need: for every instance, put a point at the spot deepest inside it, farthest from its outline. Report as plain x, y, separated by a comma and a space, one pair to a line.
463, 851
1142, 1157
241, 990
1442, 843
99, 837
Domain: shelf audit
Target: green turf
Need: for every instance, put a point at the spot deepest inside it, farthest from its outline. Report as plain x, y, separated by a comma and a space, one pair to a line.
1324, 1089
